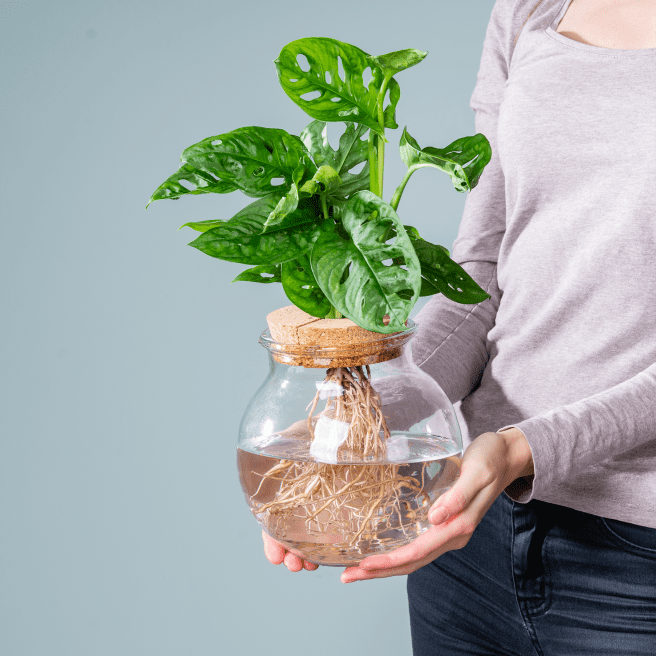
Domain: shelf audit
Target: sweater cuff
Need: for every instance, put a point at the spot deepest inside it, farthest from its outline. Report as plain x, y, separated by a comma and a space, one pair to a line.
522, 489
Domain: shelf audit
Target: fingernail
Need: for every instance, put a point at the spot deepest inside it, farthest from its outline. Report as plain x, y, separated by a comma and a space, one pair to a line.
438, 516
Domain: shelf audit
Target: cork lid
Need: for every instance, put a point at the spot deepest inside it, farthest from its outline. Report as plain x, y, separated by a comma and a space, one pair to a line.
298, 338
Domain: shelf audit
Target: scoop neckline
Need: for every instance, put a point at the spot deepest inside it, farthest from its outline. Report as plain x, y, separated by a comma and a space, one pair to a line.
586, 47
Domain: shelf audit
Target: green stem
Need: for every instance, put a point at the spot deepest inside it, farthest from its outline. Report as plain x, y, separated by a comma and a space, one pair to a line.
399, 190
373, 168
334, 313
324, 206
381, 164
381, 138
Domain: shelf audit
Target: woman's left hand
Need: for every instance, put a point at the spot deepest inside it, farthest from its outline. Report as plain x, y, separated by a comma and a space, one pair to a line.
491, 462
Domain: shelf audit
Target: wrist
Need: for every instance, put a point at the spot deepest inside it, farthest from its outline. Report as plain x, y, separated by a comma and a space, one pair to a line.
520, 457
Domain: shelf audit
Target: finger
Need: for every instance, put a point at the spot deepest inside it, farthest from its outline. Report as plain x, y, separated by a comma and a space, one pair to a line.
292, 562
426, 544
274, 551
353, 574
472, 480
310, 567
437, 540
454, 534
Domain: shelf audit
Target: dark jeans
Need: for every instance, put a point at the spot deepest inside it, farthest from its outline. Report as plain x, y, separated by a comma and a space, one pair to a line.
539, 579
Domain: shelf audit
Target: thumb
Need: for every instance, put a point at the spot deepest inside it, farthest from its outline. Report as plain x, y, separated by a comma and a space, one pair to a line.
477, 472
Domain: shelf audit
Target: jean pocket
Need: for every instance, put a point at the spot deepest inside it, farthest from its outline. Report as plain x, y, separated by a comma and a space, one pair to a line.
639, 539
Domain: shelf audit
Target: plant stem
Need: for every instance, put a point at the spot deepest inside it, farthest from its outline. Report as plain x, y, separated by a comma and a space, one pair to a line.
399, 190
334, 313
373, 168
381, 138
381, 164
324, 206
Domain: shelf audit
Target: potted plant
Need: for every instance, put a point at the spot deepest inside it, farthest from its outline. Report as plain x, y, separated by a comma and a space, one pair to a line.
352, 473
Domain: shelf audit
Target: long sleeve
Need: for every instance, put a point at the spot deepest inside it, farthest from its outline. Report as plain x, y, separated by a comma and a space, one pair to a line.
577, 436
451, 344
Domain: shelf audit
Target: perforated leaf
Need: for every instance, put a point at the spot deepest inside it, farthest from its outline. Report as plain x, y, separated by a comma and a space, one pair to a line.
248, 159
441, 274
302, 289
360, 277
198, 182
464, 159
264, 273
341, 97
352, 150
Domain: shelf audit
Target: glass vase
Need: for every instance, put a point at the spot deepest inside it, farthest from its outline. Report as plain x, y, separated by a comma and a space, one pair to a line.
343, 450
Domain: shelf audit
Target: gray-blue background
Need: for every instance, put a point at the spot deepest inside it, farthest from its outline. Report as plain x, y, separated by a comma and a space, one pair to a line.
127, 358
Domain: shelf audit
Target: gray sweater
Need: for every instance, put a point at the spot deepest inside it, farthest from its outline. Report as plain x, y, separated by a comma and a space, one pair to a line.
561, 231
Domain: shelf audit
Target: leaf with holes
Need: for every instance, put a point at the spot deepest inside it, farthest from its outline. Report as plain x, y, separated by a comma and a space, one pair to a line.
247, 159
341, 96
354, 274
464, 159
264, 273
241, 240
352, 150
441, 274
198, 181
302, 289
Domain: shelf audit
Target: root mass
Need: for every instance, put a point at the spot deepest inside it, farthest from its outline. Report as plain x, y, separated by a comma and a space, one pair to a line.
350, 502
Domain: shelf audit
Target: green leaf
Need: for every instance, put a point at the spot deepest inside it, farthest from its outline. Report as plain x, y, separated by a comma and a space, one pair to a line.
339, 99
324, 181
413, 233
288, 203
360, 277
199, 181
338, 205
241, 240
399, 60
264, 273
352, 150
389, 113
247, 159
427, 288
302, 289
202, 226
464, 159
441, 274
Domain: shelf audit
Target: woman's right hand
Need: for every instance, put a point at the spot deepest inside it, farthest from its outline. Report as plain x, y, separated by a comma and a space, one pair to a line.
276, 554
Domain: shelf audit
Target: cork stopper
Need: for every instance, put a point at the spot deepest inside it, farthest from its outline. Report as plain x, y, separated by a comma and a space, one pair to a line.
303, 340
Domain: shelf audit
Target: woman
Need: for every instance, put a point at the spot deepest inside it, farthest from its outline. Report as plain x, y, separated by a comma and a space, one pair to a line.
547, 542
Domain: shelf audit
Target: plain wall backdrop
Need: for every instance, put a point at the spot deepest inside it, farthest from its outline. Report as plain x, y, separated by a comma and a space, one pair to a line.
127, 358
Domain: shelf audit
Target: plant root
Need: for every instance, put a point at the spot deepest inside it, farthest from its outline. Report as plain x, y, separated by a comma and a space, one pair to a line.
355, 502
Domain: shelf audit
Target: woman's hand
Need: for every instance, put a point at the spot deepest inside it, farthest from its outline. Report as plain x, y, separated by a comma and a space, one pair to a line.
276, 554
491, 462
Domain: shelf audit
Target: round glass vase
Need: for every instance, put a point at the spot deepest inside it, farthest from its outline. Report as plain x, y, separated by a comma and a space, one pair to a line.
343, 450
